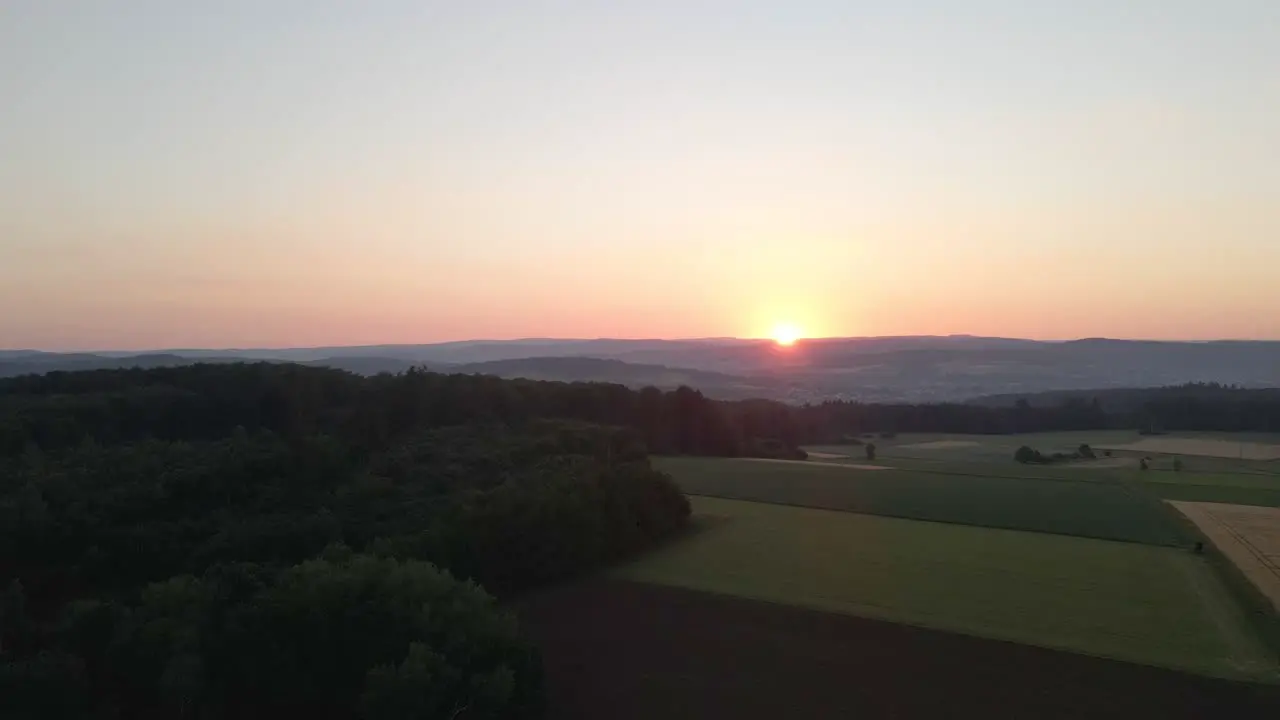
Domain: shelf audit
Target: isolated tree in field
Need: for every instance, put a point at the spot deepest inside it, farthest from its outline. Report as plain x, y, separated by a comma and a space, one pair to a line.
871, 451
1142, 464
1087, 452
1026, 454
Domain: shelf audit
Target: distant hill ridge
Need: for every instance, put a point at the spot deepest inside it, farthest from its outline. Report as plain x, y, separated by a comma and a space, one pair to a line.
872, 369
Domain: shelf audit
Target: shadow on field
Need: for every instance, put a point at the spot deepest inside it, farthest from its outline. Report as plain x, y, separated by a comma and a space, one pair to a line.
615, 649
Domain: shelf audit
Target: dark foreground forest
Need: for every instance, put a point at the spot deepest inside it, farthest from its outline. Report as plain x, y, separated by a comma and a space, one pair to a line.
269, 540
273, 541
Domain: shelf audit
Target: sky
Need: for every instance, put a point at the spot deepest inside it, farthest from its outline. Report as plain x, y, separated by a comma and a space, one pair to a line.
314, 172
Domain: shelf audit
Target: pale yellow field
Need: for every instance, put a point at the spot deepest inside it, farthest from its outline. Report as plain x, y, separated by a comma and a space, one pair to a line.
847, 466
941, 445
1103, 464
1247, 534
1204, 447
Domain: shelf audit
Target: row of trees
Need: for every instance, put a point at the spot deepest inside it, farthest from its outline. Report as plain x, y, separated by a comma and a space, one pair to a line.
208, 401
204, 402
1192, 406
262, 541
1184, 408
1029, 455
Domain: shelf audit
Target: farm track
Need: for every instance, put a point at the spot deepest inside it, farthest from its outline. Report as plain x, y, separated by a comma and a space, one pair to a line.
618, 649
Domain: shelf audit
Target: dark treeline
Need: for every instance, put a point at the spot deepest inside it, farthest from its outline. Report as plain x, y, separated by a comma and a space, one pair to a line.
269, 540
832, 421
198, 402
1193, 406
202, 402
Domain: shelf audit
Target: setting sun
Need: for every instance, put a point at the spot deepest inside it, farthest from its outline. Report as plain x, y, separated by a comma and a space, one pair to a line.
786, 334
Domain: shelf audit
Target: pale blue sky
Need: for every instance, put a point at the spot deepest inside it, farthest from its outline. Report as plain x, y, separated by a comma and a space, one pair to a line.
286, 172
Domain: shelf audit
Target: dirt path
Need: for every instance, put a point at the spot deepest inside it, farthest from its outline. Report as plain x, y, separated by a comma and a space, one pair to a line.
1248, 535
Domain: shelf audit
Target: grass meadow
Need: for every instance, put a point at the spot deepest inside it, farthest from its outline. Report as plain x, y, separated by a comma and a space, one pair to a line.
1141, 603
1101, 509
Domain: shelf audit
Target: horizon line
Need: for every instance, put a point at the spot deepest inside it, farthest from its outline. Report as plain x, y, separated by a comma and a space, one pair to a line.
535, 339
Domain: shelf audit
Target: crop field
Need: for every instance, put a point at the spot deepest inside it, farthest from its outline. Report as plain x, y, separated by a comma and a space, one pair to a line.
1206, 447
1215, 493
1145, 604
1090, 507
971, 448
1249, 536
636, 651
1245, 453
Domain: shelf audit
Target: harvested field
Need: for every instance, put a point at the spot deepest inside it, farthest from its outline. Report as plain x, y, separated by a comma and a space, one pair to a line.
939, 445
1101, 464
1249, 536
1205, 447
1082, 506
626, 651
1133, 602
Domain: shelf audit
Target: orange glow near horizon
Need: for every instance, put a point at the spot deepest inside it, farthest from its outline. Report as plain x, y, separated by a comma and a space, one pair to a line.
786, 334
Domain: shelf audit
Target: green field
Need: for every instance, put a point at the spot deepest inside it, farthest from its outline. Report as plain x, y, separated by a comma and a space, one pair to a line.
978, 448
1232, 494
994, 452
1145, 604
1100, 508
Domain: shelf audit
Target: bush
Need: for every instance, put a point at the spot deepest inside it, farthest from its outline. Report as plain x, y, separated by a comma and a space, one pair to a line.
1086, 452
775, 449
1027, 454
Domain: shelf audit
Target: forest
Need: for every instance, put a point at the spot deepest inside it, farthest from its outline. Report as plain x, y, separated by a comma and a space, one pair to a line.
252, 540
261, 540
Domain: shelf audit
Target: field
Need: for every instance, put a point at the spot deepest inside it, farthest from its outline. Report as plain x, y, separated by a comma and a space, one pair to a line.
1092, 507
1246, 452
1144, 604
1206, 447
631, 651
840, 586
1230, 494
1249, 536
1223, 476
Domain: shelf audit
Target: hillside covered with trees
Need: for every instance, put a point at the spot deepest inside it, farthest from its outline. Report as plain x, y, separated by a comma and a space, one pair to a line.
259, 541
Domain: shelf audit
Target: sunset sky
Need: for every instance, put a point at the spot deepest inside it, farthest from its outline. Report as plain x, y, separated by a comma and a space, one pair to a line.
307, 172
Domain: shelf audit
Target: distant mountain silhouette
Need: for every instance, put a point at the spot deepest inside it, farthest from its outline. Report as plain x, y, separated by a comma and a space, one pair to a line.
882, 369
